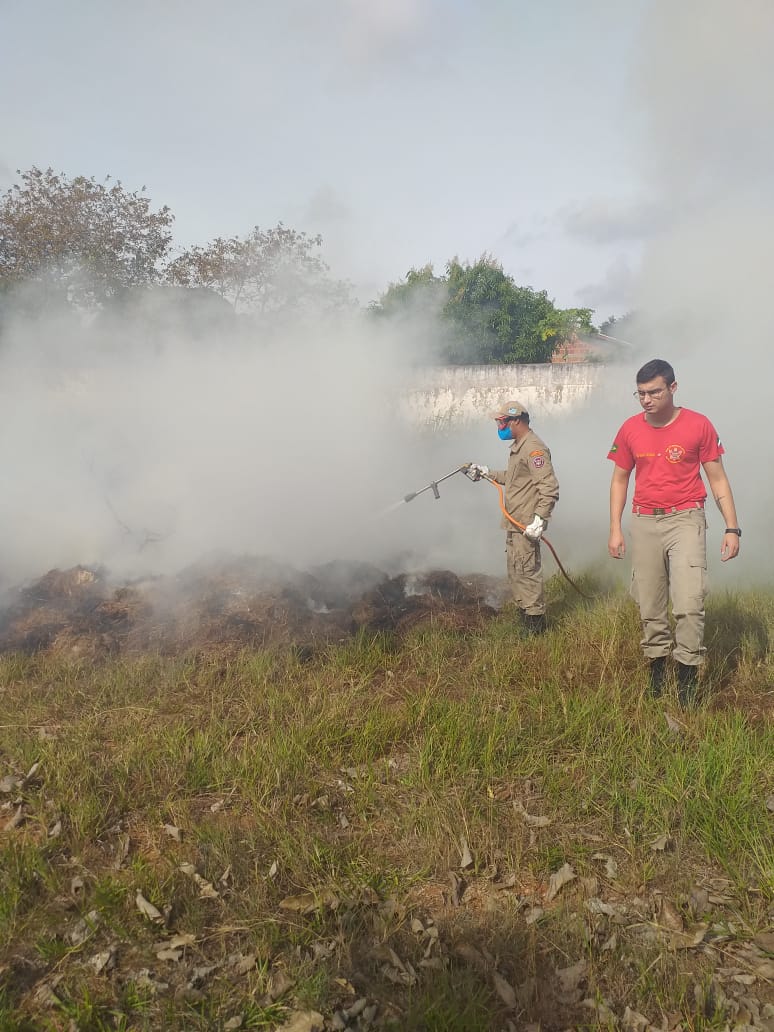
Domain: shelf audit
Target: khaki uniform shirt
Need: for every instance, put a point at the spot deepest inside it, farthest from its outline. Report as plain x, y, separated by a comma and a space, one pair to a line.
531, 487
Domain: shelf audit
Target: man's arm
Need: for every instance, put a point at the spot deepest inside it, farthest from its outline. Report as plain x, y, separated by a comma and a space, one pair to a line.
724, 499
619, 487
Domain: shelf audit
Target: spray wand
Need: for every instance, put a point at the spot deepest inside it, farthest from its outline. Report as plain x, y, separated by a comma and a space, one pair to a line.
466, 469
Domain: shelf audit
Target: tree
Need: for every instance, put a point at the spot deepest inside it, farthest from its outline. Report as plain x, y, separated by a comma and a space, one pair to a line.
266, 271
82, 240
483, 316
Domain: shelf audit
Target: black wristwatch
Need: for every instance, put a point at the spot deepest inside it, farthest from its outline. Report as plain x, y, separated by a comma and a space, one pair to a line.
734, 530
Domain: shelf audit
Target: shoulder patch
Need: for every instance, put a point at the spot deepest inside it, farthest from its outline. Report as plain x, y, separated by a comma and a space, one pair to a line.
614, 449
538, 451
537, 459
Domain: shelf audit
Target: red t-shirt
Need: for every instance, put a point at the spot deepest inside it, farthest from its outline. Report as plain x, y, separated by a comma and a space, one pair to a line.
667, 459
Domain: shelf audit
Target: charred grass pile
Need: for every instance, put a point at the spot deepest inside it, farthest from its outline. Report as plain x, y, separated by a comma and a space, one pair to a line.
232, 605
430, 825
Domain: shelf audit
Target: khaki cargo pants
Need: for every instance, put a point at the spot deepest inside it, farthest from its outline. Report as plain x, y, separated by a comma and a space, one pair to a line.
669, 562
525, 575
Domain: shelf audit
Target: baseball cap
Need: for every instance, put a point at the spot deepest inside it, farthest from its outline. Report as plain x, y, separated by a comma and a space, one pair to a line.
508, 409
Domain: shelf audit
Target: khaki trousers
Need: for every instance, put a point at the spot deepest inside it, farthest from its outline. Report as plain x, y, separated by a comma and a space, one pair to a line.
669, 562
525, 575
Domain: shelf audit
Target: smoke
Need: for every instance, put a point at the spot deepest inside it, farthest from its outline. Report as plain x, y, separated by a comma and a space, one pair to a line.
142, 443
145, 448
705, 96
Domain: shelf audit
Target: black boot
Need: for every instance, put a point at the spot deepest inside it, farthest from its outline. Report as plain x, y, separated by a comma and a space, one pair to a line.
657, 675
534, 624
687, 677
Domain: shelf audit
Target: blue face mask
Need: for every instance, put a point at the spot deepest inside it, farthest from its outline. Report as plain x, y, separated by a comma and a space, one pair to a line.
504, 433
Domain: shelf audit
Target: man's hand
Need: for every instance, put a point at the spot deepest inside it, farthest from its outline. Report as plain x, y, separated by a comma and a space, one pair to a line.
616, 545
476, 471
534, 530
730, 547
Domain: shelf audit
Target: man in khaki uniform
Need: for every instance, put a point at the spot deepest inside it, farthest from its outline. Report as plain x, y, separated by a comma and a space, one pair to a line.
531, 492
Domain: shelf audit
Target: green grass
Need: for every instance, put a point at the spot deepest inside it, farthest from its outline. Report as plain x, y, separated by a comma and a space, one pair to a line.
359, 777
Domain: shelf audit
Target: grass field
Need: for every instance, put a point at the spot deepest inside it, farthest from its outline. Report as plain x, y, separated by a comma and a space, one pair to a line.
444, 831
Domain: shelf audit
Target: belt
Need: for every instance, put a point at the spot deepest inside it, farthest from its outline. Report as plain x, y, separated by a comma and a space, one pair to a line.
641, 510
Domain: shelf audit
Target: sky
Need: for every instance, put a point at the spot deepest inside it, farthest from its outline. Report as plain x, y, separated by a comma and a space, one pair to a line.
403, 131
619, 156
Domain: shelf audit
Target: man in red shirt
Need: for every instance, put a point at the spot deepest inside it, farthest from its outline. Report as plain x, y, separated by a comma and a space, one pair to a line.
667, 446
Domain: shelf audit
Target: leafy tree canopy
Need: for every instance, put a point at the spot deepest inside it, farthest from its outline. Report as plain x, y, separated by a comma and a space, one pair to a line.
265, 271
85, 241
482, 315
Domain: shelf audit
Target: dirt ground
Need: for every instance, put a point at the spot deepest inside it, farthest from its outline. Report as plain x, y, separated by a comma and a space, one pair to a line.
243, 602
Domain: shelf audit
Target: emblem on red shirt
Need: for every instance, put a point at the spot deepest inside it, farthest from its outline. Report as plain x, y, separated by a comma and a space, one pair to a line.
675, 453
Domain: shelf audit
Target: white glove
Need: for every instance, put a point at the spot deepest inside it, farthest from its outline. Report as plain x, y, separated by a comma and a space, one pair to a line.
534, 531
478, 471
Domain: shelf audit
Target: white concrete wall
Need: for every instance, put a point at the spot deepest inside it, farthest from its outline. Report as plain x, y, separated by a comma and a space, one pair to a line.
456, 395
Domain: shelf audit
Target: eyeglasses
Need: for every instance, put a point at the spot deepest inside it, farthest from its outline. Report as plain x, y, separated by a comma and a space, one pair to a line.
504, 422
656, 394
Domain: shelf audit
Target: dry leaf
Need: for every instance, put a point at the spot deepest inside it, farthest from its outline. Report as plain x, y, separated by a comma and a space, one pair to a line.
457, 888
234, 1023
571, 977
530, 820
505, 991
662, 843
55, 830
173, 832
176, 942
633, 1021
770, 803
122, 851
200, 975
532, 915
765, 940
308, 902
242, 963
611, 867
689, 939
104, 960
667, 915
596, 906
169, 954
147, 909
84, 928
466, 857
601, 1010
471, 955
273, 870
206, 889
45, 995
674, 726
279, 983
558, 880
17, 819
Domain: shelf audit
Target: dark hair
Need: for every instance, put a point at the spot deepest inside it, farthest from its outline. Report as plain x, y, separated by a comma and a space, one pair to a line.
656, 367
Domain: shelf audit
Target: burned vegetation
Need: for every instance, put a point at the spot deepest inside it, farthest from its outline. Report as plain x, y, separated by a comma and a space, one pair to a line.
243, 603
